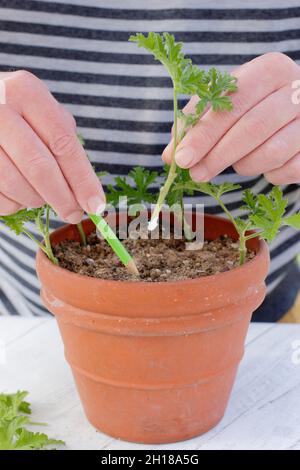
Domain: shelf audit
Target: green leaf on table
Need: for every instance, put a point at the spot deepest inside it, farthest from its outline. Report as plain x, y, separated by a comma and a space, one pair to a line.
14, 411
27, 440
14, 403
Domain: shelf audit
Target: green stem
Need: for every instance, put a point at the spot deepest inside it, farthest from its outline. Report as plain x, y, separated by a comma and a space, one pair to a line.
39, 223
243, 239
242, 249
252, 235
47, 224
219, 200
44, 230
47, 237
172, 172
186, 227
36, 241
82, 234
241, 233
179, 214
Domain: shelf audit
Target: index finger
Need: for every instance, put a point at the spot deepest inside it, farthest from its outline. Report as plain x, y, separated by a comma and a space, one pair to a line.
57, 129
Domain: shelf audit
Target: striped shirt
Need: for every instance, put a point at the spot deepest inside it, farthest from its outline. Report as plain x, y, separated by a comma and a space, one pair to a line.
122, 99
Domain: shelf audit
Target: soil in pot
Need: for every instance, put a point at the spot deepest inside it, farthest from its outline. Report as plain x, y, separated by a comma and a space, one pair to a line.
157, 260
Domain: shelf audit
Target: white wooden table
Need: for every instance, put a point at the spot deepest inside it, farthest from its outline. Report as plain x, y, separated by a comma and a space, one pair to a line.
263, 413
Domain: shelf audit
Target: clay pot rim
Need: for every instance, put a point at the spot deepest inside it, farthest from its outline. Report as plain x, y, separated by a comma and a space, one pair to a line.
260, 254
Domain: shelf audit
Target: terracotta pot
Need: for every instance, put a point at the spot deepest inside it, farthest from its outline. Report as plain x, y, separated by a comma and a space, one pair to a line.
155, 362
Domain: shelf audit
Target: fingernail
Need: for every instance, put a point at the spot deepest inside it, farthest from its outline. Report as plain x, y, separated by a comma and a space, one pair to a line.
75, 217
199, 173
96, 205
185, 157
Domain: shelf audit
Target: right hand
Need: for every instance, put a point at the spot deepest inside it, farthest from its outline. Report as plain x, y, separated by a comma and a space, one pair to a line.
41, 158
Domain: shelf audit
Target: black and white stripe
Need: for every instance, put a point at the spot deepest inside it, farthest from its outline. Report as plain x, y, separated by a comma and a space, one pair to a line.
122, 99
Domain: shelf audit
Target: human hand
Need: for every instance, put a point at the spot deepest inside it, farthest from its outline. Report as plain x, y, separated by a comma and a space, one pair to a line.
261, 135
41, 158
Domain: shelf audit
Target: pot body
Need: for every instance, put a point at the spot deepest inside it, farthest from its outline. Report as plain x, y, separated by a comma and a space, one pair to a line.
155, 362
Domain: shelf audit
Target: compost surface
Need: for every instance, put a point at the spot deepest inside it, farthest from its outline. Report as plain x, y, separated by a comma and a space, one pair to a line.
157, 260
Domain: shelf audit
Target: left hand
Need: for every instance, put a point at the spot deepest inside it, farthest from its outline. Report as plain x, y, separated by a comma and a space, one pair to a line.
261, 135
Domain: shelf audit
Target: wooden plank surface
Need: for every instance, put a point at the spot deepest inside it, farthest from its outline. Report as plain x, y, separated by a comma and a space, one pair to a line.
263, 413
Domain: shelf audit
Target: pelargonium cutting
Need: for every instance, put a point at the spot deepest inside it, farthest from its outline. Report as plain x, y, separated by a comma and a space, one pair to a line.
187, 79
